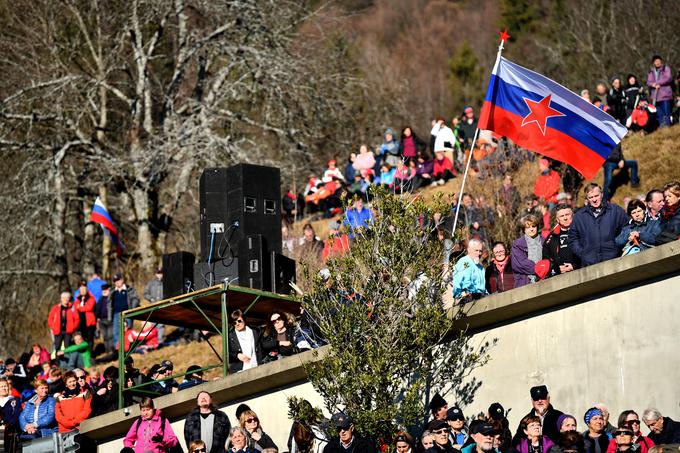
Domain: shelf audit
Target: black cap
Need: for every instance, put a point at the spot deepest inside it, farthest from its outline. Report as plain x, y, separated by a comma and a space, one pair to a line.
540, 392
155, 369
116, 277
482, 428
83, 282
437, 402
454, 413
341, 420
106, 286
437, 424
129, 360
166, 365
496, 411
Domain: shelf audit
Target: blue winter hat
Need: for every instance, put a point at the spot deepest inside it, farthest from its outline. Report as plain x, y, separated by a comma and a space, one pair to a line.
590, 413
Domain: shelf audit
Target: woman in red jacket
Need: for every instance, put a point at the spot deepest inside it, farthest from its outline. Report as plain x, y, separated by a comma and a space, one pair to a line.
74, 405
84, 304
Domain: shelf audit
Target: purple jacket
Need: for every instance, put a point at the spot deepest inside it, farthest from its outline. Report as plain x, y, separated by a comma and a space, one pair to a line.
663, 77
546, 443
426, 167
522, 266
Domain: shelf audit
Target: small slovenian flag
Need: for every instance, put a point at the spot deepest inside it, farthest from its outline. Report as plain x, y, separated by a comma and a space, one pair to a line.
543, 116
101, 216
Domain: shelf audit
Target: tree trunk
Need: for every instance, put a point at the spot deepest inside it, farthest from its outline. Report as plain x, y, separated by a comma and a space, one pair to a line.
88, 239
145, 241
59, 225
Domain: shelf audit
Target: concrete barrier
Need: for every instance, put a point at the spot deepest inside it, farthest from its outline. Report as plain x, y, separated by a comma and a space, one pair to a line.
607, 333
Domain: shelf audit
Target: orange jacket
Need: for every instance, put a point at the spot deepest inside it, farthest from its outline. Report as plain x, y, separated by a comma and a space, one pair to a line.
54, 319
335, 246
547, 186
86, 305
72, 410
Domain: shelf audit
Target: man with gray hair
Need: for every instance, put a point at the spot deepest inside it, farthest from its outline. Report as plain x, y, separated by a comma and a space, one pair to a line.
469, 281
662, 430
63, 321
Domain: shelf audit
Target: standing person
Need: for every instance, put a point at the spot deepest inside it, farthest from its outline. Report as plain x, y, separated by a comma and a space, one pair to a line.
540, 400
410, 144
468, 126
84, 304
547, 184
123, 298
632, 93
151, 431
153, 292
389, 149
245, 346
595, 437
94, 285
616, 100
444, 139
74, 405
347, 440
249, 421
469, 281
63, 320
659, 81
37, 419
556, 246
508, 197
527, 250
499, 276
655, 202
456, 421
10, 409
103, 311
595, 226
207, 423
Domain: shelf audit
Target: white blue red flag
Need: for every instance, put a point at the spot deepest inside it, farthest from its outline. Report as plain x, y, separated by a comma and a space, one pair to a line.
543, 116
101, 216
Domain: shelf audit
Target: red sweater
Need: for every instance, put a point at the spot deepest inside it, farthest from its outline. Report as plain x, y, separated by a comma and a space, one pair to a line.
442, 165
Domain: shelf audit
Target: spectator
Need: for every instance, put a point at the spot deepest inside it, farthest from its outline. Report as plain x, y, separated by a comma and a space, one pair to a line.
403, 442
337, 244
472, 217
442, 444
278, 338
349, 168
442, 169
643, 118
601, 95
410, 144
508, 197
94, 285
608, 427
469, 281
238, 441
84, 305
483, 435
365, 160
153, 291
445, 140
333, 172
438, 407
104, 313
78, 354
655, 202
499, 276
631, 93
165, 383
629, 419
616, 100
595, 226
595, 437
55, 381
192, 378
289, 205
74, 405
389, 149
640, 232
547, 184
386, 177
456, 420
623, 439
565, 423
540, 400
468, 126
105, 395
245, 347
533, 441
670, 214
527, 250
63, 320
556, 246
198, 446
10, 409
249, 421
660, 83
427, 440
309, 244
496, 416
123, 297
358, 218
424, 169
39, 355
404, 176
151, 431
37, 418
663, 430
616, 160
208, 424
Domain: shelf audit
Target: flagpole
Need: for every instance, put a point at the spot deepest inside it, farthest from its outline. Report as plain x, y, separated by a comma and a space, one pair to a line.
504, 36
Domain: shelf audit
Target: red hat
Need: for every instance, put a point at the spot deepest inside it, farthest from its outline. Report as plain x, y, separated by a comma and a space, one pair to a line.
331, 162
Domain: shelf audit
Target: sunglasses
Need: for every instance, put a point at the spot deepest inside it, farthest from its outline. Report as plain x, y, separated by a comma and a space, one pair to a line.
623, 433
275, 319
81, 378
251, 420
344, 429
441, 431
239, 321
199, 450
633, 422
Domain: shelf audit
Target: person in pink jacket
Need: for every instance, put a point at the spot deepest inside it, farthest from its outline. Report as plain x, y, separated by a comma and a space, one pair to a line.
151, 432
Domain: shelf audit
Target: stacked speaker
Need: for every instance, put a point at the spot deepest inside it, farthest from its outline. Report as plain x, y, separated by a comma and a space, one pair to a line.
240, 229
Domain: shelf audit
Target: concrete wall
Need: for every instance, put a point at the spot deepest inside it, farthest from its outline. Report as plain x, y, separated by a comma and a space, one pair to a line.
606, 333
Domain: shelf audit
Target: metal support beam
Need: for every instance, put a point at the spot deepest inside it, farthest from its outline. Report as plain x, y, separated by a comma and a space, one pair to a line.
225, 333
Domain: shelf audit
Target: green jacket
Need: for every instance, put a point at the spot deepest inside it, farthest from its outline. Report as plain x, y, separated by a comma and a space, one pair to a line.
84, 349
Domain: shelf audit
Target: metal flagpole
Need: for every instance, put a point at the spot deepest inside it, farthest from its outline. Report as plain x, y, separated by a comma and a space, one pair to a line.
504, 36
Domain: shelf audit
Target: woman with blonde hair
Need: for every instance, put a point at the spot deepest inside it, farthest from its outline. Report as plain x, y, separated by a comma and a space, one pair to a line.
249, 421
527, 250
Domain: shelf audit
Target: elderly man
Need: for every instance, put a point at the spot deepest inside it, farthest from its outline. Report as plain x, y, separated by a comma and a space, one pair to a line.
469, 281
440, 430
662, 430
207, 423
595, 227
63, 320
655, 203
481, 433
540, 400
347, 441
556, 246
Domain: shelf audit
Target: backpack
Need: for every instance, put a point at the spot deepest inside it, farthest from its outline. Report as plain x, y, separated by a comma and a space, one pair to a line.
176, 449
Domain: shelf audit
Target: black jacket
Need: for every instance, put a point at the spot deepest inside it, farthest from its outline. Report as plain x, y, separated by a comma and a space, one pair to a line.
264, 442
221, 427
549, 426
235, 349
669, 435
359, 445
271, 344
589, 442
436, 448
556, 250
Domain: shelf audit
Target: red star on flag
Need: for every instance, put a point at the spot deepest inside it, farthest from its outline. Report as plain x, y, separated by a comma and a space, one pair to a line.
539, 112
504, 36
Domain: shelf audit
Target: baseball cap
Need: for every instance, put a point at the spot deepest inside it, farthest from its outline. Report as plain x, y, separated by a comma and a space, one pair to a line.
166, 365
482, 428
496, 411
454, 413
437, 424
341, 420
116, 277
540, 392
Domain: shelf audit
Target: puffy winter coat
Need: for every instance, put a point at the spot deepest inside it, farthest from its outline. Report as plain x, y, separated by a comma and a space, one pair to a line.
54, 319
152, 435
593, 238
85, 304
70, 411
649, 229
46, 421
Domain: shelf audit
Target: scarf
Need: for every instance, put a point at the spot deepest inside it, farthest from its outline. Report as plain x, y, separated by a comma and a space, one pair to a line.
500, 265
68, 393
669, 211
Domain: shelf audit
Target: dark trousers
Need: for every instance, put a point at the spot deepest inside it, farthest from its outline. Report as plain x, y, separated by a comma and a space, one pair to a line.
62, 337
106, 334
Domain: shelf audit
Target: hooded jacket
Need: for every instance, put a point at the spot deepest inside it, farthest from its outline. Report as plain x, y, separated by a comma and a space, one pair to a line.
70, 411
152, 435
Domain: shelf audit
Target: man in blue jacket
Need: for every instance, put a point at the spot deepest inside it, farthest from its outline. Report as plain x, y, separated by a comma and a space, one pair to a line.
595, 227
358, 218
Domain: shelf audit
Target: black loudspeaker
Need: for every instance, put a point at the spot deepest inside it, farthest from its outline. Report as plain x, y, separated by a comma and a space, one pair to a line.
283, 272
212, 189
178, 273
215, 273
254, 194
254, 264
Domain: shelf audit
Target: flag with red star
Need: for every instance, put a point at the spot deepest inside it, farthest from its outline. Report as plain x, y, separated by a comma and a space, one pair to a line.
541, 115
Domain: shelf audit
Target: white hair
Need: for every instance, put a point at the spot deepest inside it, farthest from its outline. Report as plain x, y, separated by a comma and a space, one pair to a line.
651, 414
475, 242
